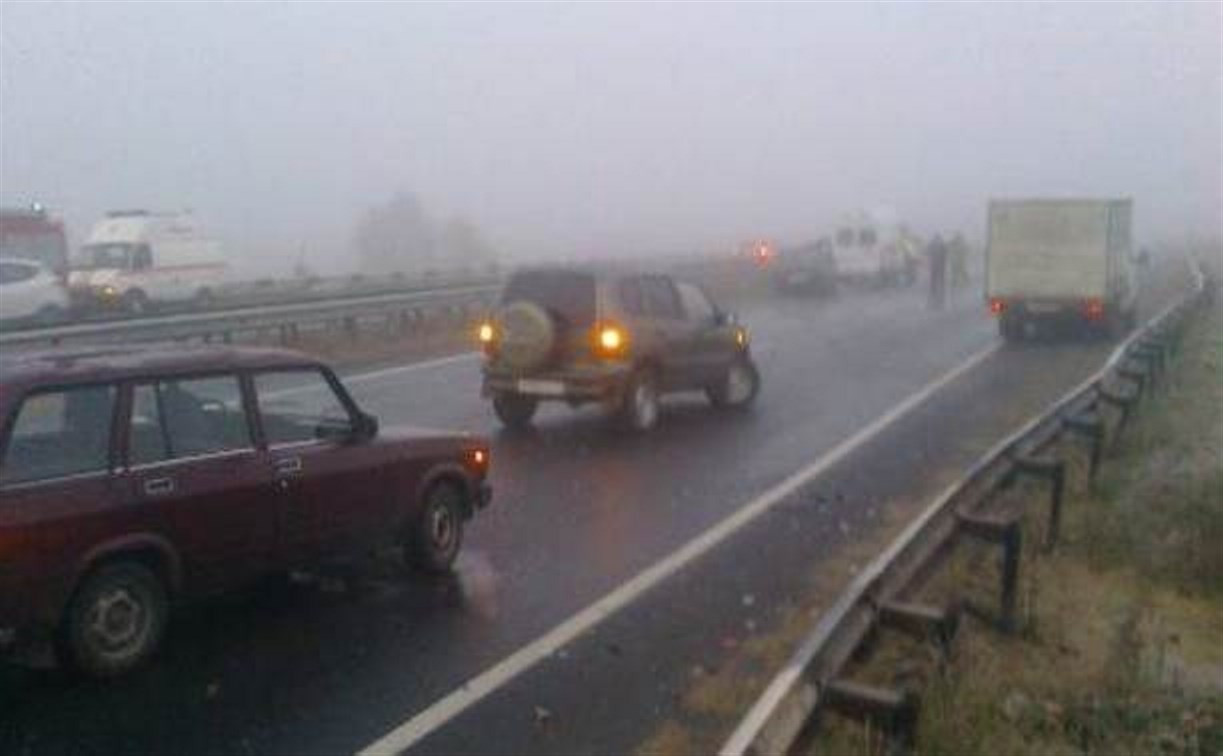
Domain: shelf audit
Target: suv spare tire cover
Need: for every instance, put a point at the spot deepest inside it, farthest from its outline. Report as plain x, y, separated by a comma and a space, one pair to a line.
527, 335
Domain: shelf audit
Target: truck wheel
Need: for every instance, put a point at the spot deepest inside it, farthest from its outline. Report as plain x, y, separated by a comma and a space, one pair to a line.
135, 302
435, 539
639, 407
515, 411
115, 620
738, 388
1010, 329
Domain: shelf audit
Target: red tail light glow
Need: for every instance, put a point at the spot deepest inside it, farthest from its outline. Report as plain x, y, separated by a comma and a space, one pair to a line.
1093, 309
997, 305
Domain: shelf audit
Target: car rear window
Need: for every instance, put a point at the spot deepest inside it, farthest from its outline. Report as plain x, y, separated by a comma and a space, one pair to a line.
59, 433
566, 295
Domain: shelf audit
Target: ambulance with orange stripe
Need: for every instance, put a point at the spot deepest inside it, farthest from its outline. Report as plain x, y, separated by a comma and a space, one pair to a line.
135, 261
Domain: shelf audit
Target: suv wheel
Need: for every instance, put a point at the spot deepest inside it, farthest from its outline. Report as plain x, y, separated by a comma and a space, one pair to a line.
738, 387
434, 542
515, 410
116, 620
640, 408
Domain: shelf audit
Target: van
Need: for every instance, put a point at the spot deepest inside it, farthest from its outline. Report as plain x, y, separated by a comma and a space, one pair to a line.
134, 260
872, 247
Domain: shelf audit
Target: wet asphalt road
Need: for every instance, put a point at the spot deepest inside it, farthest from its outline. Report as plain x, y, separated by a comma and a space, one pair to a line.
578, 510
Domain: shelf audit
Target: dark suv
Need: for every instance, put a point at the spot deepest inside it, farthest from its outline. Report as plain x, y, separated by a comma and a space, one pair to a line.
615, 338
133, 476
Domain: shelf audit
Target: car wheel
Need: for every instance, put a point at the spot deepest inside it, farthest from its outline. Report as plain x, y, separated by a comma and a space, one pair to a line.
135, 302
49, 315
115, 620
738, 387
515, 411
435, 540
640, 406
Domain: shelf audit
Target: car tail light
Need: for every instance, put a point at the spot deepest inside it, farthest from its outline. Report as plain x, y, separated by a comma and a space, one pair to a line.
611, 340
997, 305
1093, 309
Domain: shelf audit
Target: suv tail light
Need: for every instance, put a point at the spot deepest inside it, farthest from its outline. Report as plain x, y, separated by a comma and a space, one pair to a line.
478, 459
610, 340
486, 333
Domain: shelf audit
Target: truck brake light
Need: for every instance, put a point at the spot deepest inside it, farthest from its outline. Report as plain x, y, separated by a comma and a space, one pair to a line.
1093, 309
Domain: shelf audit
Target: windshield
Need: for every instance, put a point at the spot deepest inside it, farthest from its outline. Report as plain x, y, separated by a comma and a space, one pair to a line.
643, 378
106, 256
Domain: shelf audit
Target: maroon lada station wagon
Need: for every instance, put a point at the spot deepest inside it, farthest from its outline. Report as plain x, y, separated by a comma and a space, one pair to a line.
133, 477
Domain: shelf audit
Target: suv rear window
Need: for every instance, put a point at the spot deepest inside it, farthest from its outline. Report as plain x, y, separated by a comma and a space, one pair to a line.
566, 295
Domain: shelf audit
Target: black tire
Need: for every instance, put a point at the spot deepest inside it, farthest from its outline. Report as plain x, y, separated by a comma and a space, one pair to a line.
640, 405
515, 411
1010, 329
50, 315
738, 388
135, 302
115, 620
435, 538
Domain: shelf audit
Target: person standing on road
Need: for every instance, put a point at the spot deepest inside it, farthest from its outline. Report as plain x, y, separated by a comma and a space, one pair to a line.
958, 250
936, 255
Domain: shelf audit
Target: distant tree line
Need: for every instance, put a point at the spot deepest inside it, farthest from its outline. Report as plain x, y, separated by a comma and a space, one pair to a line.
400, 236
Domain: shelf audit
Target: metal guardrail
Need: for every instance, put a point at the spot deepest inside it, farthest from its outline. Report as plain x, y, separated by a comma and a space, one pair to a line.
406, 307
811, 680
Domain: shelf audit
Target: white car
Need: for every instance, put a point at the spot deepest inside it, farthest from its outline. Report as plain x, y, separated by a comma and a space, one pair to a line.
30, 293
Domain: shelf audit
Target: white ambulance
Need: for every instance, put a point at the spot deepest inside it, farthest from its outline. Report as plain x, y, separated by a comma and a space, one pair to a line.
134, 260
872, 247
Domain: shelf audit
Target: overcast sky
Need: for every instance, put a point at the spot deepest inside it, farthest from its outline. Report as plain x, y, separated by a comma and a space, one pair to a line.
593, 128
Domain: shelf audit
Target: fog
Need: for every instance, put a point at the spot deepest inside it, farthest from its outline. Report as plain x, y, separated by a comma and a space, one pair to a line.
601, 129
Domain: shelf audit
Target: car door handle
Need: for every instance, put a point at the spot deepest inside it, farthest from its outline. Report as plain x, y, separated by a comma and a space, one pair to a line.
159, 486
288, 465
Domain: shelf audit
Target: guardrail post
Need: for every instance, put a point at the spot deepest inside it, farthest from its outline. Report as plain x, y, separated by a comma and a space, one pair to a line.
921, 621
1123, 402
1137, 377
894, 711
1152, 354
1090, 426
1055, 471
1008, 534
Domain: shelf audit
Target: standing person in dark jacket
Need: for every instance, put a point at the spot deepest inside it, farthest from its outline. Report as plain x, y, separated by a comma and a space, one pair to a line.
936, 254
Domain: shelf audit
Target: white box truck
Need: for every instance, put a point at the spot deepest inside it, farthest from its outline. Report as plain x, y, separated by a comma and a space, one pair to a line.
135, 259
1060, 260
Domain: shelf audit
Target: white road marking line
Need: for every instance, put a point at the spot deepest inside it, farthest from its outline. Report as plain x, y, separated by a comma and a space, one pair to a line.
409, 368
471, 692
373, 375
